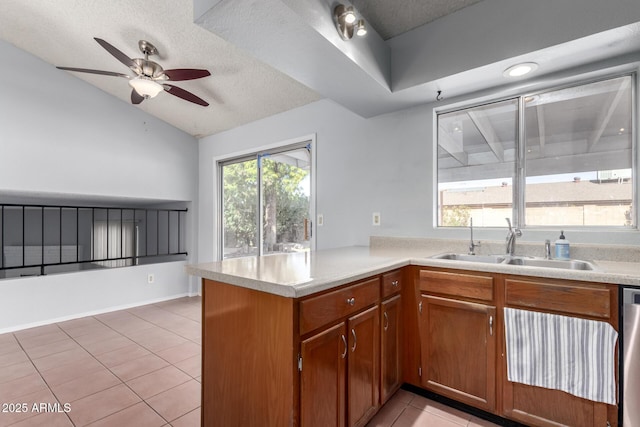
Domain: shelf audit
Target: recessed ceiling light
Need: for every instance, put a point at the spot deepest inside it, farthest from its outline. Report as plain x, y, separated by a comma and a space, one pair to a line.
519, 70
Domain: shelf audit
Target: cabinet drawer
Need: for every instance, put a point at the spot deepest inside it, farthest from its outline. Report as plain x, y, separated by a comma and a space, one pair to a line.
391, 283
585, 300
457, 284
332, 306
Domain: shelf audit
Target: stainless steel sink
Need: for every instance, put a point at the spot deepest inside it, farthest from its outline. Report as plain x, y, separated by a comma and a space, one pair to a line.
570, 264
490, 259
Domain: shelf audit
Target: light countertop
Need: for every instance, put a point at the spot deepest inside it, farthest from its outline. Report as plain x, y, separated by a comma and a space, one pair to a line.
304, 273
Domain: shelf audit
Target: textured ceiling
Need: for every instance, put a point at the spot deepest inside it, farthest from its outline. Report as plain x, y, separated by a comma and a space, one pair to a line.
392, 18
271, 56
240, 90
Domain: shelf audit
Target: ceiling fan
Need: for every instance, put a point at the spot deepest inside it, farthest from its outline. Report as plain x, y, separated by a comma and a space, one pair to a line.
150, 77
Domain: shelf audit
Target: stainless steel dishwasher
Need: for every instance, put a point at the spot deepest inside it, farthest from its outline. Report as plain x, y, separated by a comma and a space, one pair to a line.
631, 357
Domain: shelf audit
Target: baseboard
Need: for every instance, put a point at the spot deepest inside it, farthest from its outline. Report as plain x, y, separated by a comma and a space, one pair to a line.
94, 313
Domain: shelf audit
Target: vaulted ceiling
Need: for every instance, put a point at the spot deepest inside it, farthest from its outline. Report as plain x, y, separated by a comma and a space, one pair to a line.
270, 56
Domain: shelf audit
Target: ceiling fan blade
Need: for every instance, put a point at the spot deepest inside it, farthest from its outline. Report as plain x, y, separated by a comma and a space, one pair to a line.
186, 95
136, 98
86, 70
186, 74
117, 54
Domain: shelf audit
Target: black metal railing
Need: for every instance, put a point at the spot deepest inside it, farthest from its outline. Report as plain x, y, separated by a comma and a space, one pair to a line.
45, 236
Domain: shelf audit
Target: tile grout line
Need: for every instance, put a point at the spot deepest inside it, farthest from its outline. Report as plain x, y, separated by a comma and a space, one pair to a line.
108, 369
155, 324
152, 352
124, 382
40, 373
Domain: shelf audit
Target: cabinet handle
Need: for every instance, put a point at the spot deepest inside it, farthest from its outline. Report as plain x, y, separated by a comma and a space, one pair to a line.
491, 325
355, 340
344, 340
386, 323
395, 283
351, 301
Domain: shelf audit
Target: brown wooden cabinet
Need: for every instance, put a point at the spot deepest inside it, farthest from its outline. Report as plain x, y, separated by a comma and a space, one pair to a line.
461, 327
330, 394
277, 361
391, 334
348, 396
332, 359
538, 406
458, 350
249, 357
363, 358
322, 380
391, 347
458, 337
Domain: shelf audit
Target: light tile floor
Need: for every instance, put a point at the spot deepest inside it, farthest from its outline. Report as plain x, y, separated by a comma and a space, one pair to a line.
140, 368
136, 367
406, 409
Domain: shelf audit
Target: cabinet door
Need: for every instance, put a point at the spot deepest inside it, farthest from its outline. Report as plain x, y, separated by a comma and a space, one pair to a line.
458, 350
322, 388
539, 406
536, 406
363, 366
391, 345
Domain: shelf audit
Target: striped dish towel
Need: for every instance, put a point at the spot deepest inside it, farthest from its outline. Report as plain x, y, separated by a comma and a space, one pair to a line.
564, 353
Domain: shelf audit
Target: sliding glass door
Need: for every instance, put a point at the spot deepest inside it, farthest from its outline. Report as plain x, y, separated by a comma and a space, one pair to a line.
265, 202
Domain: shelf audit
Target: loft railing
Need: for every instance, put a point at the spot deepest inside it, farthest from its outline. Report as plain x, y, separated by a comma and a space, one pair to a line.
46, 236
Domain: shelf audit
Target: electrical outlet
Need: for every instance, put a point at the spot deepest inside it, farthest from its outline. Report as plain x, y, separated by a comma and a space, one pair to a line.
150, 278
320, 221
376, 218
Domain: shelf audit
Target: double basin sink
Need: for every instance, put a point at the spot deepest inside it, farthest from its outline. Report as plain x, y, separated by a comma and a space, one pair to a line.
570, 264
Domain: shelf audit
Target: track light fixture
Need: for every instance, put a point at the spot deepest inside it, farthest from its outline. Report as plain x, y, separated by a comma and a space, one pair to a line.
347, 23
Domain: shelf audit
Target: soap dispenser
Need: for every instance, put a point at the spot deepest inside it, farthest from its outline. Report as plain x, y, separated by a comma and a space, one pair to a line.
562, 247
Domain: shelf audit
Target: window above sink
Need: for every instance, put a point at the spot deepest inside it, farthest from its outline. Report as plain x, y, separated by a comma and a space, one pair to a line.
557, 158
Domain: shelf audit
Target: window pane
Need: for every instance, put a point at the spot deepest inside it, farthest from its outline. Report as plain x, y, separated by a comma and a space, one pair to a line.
579, 155
476, 165
239, 209
285, 191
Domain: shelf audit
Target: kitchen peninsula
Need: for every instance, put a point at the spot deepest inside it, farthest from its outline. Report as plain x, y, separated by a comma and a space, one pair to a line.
324, 338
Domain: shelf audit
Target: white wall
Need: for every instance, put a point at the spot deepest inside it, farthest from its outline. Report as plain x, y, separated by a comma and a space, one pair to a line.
62, 136
383, 164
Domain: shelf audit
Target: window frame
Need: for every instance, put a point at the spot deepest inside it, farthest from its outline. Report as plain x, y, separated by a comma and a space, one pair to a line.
518, 206
254, 153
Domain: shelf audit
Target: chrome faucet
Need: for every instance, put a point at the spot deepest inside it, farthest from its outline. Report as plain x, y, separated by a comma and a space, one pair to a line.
547, 249
472, 245
511, 238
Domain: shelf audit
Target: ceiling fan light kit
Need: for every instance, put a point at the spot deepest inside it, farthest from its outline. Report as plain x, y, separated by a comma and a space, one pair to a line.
150, 77
145, 87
